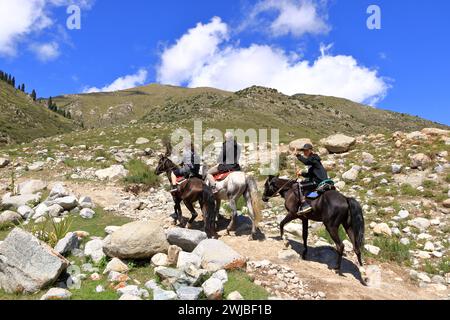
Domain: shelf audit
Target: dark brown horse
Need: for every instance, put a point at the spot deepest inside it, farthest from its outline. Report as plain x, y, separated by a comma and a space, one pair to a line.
332, 208
190, 191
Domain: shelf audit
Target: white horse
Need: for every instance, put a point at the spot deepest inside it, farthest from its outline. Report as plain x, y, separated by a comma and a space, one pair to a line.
236, 185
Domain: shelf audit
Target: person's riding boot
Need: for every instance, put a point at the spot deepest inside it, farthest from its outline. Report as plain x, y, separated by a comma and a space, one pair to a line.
174, 191
305, 208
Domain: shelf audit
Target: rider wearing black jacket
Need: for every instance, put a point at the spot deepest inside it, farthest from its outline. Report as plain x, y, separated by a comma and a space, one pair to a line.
315, 175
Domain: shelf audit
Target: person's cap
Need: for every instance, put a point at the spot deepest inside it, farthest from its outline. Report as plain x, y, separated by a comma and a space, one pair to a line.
307, 147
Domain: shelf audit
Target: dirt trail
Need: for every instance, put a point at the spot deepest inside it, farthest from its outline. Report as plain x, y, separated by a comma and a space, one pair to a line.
395, 284
395, 281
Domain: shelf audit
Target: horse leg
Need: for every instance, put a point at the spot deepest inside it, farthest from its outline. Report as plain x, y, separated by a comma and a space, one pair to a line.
290, 217
334, 233
305, 237
352, 237
194, 213
233, 207
178, 214
251, 213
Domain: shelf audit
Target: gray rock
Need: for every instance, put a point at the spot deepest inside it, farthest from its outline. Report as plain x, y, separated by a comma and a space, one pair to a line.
40, 211
185, 238
25, 211
55, 210
67, 244
216, 255
10, 218
58, 191
87, 213
288, 255
68, 203
134, 291
141, 141
221, 275
57, 294
86, 203
3, 162
31, 186
14, 202
36, 166
189, 293
94, 250
160, 260
338, 143
213, 289
186, 259
352, 174
136, 240
116, 265
174, 278
420, 223
17, 274
164, 295
397, 168
112, 173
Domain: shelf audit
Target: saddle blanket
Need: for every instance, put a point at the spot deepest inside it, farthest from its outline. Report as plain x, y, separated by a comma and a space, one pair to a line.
222, 176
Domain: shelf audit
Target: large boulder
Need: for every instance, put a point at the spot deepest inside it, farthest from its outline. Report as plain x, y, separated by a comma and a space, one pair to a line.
112, 173
338, 143
436, 132
14, 202
67, 244
216, 255
9, 218
136, 240
186, 239
420, 160
27, 265
296, 145
31, 186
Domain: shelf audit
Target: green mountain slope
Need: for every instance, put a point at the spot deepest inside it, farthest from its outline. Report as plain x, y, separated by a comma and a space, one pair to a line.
255, 107
22, 120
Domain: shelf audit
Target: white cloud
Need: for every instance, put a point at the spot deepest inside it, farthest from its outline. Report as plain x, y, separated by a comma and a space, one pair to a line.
189, 54
46, 51
293, 17
231, 67
122, 83
21, 18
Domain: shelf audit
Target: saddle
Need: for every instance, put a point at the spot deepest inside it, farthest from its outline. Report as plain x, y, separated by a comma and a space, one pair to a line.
323, 187
222, 176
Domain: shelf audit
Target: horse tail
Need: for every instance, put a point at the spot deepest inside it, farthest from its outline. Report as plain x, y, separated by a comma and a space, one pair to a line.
252, 196
356, 222
209, 210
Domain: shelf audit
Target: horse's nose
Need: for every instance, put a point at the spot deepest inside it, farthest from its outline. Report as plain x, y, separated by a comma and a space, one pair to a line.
265, 199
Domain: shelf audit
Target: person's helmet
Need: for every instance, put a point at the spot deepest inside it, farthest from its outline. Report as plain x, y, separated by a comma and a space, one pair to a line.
229, 136
307, 147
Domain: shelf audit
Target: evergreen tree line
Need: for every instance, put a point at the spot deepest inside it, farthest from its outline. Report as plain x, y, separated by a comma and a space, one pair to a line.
11, 80
53, 107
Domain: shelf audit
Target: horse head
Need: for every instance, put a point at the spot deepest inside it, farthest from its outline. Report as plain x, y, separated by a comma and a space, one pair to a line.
270, 188
164, 165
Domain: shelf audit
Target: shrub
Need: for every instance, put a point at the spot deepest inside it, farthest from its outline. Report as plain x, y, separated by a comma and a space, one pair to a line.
408, 190
140, 173
392, 250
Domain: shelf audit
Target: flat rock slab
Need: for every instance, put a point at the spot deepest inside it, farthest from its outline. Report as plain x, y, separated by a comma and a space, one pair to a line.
26, 264
186, 239
217, 255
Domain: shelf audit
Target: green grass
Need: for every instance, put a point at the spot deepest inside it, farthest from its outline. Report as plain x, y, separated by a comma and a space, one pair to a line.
392, 250
323, 233
140, 173
240, 281
408, 190
442, 267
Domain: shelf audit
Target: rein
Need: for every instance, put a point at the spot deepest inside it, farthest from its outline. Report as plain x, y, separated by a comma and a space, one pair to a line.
276, 194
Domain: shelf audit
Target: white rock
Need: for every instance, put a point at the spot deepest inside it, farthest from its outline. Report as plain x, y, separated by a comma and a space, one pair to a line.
213, 289
160, 260
25, 211
111, 229
403, 214
221, 275
186, 259
163, 295
189, 293
235, 296
382, 229
338, 143
36, 166
67, 244
116, 265
31, 186
112, 173
57, 294
429, 246
420, 223
87, 213
94, 249
141, 141
372, 249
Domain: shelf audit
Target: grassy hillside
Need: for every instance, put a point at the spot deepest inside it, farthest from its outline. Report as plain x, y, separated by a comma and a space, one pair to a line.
255, 107
22, 120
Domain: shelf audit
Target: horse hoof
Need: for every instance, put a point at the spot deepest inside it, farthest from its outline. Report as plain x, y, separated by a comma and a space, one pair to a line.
188, 226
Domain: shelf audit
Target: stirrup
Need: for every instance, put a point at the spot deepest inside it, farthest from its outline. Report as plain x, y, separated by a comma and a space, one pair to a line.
305, 209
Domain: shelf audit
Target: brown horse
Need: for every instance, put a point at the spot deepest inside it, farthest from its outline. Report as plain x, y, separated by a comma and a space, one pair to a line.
190, 191
332, 208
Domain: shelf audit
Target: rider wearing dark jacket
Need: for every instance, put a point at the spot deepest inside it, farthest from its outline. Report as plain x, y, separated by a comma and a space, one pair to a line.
315, 175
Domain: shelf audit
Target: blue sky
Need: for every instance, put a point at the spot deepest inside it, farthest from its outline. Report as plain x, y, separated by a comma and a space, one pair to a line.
311, 46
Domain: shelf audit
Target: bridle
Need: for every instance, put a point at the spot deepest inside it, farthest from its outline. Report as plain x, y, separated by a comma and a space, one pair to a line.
277, 194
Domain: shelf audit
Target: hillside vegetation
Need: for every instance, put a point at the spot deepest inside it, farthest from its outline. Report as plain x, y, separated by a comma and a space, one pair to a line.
22, 120
255, 107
